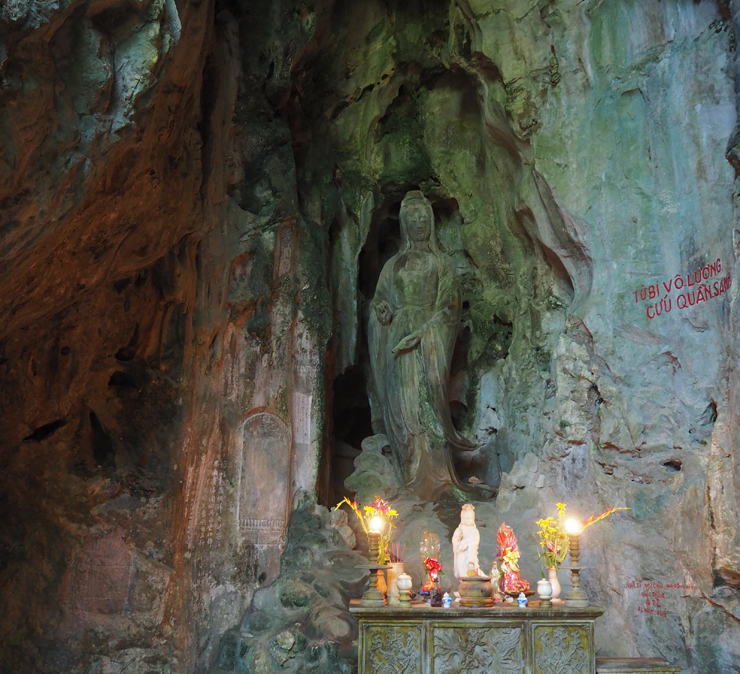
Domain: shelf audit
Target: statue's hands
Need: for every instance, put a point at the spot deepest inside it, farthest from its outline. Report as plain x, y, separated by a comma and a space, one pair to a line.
384, 313
408, 342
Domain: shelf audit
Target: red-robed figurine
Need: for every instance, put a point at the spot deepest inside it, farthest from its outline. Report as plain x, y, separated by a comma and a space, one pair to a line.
508, 555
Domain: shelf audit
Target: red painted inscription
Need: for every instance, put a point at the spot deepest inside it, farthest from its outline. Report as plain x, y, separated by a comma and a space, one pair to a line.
682, 292
655, 594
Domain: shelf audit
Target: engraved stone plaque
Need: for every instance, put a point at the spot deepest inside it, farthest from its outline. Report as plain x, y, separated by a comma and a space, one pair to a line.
562, 649
204, 496
302, 415
264, 479
393, 649
471, 650
101, 576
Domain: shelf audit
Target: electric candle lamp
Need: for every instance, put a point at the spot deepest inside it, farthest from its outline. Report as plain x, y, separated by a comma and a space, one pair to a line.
573, 527
576, 598
373, 596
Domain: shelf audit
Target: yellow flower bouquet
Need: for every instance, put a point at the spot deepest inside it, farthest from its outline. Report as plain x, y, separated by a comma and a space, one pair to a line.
553, 539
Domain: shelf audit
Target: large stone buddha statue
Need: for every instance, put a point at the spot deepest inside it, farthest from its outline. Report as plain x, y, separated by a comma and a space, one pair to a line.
413, 325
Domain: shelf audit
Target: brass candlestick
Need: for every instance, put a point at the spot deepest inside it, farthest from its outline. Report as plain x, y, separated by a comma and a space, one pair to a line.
576, 598
373, 597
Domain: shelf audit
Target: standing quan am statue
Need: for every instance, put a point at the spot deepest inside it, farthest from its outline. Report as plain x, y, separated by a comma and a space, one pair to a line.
465, 543
412, 329
475, 588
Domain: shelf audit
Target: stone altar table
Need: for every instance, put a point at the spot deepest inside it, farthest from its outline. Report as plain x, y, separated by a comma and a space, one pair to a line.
502, 639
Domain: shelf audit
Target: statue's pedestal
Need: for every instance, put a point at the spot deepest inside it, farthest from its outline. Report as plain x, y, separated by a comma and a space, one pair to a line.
504, 639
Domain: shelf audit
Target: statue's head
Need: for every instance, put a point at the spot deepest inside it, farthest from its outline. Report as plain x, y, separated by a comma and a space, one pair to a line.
417, 217
467, 514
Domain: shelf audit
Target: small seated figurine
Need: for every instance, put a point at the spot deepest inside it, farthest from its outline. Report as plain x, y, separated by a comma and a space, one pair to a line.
508, 555
465, 542
495, 577
471, 569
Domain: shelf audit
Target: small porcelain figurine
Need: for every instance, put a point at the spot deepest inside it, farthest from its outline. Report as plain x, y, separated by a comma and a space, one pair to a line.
465, 542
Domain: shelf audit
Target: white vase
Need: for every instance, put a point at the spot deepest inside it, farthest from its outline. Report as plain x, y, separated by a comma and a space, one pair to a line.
552, 576
394, 596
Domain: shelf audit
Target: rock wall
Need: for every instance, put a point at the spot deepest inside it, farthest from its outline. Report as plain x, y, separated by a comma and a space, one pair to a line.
157, 278
197, 198
575, 153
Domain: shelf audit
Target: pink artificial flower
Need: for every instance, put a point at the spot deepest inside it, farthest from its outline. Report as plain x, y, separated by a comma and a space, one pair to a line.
380, 505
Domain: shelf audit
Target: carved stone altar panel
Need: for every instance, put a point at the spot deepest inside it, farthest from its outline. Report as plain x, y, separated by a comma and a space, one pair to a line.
393, 649
471, 650
562, 649
502, 639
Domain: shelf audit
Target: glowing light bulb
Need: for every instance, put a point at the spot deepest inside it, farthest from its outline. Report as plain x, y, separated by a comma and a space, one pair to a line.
573, 526
376, 524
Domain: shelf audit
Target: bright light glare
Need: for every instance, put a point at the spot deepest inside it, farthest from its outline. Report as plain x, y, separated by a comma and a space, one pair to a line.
573, 526
376, 524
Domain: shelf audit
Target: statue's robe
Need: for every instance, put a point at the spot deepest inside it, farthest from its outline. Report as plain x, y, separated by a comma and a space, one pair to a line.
412, 386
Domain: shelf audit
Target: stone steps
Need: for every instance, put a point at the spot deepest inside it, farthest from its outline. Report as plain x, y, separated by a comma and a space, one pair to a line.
635, 666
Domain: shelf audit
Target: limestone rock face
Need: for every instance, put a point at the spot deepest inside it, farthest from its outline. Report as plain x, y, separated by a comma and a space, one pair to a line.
196, 200
150, 285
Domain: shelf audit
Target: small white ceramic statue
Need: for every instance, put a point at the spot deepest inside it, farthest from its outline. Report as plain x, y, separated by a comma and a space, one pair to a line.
465, 542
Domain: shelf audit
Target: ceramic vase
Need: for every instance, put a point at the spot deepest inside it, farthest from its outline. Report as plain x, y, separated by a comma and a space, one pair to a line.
382, 584
552, 576
394, 596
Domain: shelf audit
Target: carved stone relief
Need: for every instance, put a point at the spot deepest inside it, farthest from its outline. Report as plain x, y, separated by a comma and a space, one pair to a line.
264, 489
393, 649
469, 650
561, 650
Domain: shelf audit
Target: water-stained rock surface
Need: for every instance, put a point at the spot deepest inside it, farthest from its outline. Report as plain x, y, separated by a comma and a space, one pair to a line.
196, 200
